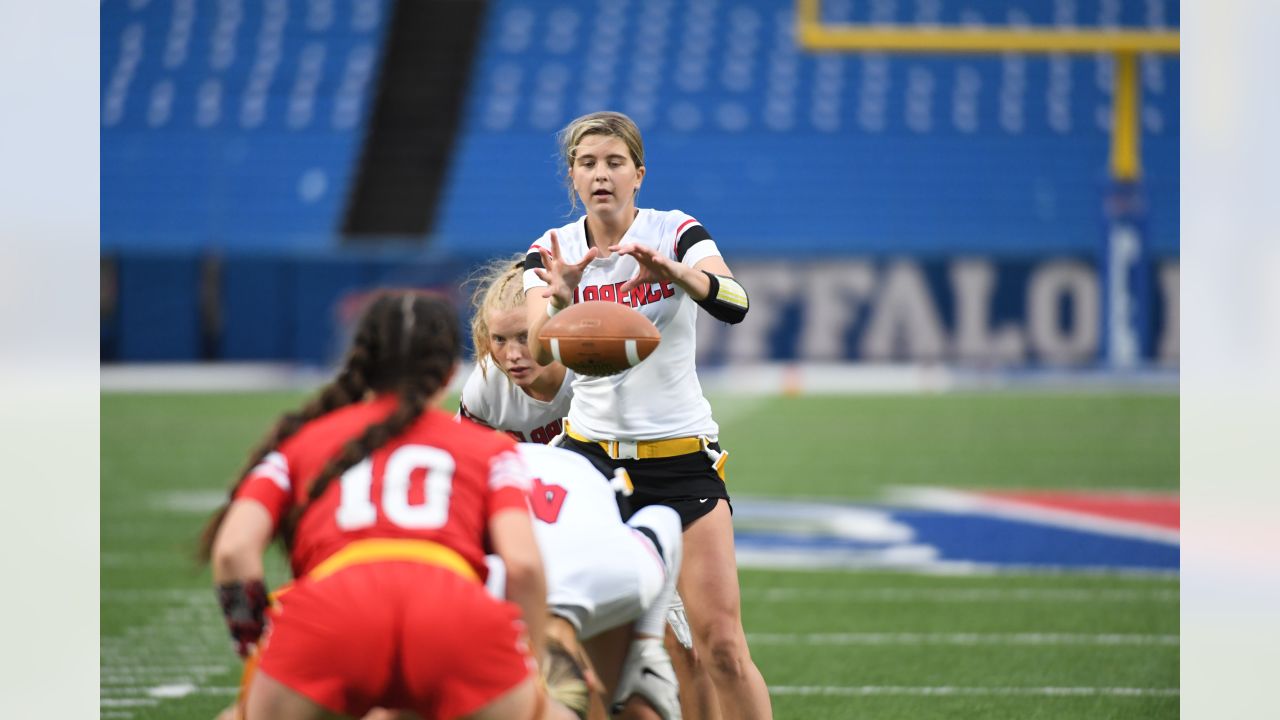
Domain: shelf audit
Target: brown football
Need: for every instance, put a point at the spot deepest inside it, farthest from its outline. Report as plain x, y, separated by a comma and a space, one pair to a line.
600, 337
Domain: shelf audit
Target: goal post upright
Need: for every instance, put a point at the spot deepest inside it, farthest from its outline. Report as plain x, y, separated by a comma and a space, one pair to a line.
1123, 258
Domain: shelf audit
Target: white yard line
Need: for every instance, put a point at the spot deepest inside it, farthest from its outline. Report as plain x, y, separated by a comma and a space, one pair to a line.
1110, 639
947, 690
922, 560
127, 680
196, 502
210, 377
173, 690
189, 597
172, 655
127, 702
959, 595
736, 379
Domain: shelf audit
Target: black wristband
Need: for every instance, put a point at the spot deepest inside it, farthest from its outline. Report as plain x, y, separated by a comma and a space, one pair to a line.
244, 606
243, 601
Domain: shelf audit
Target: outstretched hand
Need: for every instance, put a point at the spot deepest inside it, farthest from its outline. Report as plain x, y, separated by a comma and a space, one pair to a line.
561, 277
654, 267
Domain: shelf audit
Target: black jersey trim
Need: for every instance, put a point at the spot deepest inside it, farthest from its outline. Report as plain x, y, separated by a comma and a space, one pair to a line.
533, 260
464, 412
653, 538
694, 235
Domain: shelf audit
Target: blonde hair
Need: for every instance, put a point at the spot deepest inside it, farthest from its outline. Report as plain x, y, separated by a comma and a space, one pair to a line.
611, 124
499, 286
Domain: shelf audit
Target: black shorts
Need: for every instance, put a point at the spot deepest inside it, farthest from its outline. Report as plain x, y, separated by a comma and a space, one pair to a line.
687, 484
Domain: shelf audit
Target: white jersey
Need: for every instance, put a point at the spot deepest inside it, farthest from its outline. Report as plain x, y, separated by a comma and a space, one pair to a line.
661, 397
490, 398
600, 572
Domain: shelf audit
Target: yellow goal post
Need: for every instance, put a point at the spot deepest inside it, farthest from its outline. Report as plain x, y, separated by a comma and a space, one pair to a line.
815, 35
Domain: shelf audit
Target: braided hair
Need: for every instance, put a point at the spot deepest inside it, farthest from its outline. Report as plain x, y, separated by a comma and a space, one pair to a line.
406, 343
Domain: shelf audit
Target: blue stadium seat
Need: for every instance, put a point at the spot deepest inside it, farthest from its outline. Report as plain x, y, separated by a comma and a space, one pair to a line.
233, 124
777, 149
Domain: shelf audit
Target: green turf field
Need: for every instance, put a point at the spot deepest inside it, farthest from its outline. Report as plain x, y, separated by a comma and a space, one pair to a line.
830, 644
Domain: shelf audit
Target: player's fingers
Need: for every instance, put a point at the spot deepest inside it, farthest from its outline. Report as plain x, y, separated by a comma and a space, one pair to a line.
632, 283
555, 245
634, 250
592, 254
547, 259
646, 257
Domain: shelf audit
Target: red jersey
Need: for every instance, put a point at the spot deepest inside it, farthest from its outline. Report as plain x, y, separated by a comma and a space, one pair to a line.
440, 480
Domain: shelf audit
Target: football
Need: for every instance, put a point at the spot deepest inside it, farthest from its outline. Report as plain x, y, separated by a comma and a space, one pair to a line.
600, 337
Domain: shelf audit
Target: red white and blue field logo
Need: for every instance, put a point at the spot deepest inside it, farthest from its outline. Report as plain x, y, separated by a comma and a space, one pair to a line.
947, 530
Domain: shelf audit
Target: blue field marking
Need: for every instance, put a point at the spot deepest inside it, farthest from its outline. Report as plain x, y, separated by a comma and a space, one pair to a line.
771, 533
1000, 541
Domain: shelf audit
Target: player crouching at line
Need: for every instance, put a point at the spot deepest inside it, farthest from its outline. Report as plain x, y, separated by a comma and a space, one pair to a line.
609, 583
386, 505
508, 391
528, 400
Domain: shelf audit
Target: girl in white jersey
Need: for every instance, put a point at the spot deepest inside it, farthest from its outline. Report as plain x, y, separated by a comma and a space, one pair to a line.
608, 584
507, 390
652, 420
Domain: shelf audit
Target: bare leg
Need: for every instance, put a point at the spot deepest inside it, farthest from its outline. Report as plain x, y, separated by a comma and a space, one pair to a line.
607, 651
521, 703
597, 710
269, 698
697, 693
637, 708
713, 603
385, 714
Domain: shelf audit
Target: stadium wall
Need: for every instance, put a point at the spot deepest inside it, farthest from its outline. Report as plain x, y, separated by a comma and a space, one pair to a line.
968, 310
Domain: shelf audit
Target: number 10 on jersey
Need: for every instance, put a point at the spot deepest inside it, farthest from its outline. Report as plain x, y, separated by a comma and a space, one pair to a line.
357, 509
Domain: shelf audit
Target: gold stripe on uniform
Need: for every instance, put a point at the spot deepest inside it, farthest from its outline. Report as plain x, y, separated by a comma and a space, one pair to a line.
391, 550
731, 292
645, 449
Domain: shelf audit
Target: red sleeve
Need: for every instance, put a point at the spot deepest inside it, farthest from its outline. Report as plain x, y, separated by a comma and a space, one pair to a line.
509, 482
269, 484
